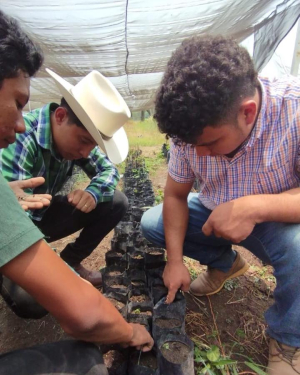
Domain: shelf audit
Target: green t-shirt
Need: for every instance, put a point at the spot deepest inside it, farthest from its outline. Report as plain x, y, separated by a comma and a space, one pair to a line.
17, 231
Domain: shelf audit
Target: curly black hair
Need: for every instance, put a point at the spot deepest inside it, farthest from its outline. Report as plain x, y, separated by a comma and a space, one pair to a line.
17, 50
205, 81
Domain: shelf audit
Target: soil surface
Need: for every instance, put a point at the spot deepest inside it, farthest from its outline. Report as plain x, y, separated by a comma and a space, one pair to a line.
175, 351
232, 319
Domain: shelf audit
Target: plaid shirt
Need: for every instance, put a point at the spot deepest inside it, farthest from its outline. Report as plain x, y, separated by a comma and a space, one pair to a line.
33, 155
267, 163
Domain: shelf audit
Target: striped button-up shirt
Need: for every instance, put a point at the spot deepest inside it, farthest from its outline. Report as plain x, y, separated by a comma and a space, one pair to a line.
267, 163
33, 155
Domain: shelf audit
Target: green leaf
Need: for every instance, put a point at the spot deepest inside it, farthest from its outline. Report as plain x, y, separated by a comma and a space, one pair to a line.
255, 368
213, 354
224, 362
240, 333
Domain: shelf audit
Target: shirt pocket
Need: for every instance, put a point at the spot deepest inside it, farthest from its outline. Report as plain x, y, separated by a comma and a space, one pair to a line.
274, 180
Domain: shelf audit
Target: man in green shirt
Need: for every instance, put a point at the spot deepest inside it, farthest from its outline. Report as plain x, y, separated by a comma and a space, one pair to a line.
28, 261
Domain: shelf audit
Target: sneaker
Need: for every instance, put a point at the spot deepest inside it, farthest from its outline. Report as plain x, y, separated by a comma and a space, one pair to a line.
213, 280
283, 359
94, 277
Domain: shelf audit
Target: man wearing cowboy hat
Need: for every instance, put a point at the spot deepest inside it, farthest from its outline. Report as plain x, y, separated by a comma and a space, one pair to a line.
57, 137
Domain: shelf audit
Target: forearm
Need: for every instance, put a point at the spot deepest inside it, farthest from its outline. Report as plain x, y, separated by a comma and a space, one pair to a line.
175, 215
284, 207
81, 309
102, 323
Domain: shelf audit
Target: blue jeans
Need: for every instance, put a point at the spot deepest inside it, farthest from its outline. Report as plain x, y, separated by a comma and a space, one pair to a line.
274, 243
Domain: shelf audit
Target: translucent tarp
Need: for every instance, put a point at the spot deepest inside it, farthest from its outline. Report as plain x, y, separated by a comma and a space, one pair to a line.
131, 41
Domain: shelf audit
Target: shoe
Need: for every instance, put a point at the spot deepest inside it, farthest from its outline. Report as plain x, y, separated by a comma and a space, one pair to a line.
283, 359
94, 277
213, 280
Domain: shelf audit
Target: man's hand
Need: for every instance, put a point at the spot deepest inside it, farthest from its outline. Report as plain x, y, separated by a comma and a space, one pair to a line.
30, 201
82, 200
233, 221
176, 276
141, 338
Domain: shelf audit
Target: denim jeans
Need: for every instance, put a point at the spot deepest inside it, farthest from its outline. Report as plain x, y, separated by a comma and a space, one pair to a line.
274, 243
65, 357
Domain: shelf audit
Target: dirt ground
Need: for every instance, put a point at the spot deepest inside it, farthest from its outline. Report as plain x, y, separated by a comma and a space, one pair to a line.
232, 319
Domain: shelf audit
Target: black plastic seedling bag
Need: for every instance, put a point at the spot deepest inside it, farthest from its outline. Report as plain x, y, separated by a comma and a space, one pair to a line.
115, 258
175, 355
167, 322
118, 286
143, 363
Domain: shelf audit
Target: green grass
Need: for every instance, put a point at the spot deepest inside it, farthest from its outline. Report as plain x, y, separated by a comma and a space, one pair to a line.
144, 133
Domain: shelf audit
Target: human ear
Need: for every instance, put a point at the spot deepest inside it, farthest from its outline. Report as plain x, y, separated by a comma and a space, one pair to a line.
60, 115
248, 111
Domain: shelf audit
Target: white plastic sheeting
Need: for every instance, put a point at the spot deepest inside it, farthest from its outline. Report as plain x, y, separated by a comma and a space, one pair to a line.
130, 41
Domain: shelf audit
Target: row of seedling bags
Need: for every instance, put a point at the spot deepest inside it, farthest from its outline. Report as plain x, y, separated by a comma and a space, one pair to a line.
139, 295
132, 281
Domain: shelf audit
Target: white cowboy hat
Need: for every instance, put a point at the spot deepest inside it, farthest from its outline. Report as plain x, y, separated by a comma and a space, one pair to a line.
101, 109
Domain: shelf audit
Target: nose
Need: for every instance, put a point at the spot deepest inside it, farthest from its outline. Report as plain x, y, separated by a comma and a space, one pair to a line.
84, 152
203, 151
20, 125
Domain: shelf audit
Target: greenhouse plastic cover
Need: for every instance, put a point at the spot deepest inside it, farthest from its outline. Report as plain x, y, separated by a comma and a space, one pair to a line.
131, 41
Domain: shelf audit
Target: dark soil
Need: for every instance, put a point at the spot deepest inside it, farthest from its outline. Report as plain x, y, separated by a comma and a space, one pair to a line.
114, 273
141, 298
167, 323
147, 359
118, 286
137, 311
175, 351
138, 283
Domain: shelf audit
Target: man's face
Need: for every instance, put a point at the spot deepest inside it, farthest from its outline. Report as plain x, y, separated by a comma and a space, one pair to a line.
73, 142
14, 94
221, 140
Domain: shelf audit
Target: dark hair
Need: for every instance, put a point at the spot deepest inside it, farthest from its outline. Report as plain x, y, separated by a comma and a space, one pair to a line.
72, 118
205, 81
17, 50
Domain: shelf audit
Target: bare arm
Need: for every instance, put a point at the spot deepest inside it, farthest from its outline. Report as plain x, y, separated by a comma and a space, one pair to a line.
30, 201
226, 219
81, 309
175, 214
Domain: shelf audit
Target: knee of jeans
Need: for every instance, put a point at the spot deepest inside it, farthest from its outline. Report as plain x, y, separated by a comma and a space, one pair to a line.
20, 302
149, 230
120, 202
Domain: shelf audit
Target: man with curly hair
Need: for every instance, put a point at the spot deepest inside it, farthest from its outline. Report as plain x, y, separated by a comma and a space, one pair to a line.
239, 135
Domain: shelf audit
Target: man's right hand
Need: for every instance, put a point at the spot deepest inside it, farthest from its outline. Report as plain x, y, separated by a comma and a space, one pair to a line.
176, 276
141, 338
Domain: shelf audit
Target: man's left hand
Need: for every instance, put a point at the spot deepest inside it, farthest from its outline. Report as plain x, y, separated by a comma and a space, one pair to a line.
82, 200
